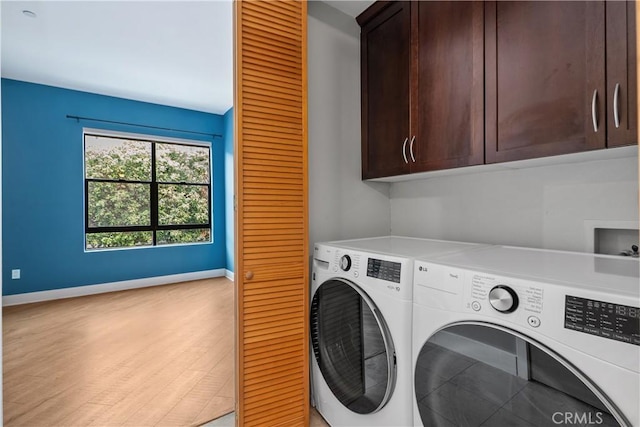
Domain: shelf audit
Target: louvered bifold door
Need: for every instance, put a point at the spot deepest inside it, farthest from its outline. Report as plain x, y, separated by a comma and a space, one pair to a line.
271, 213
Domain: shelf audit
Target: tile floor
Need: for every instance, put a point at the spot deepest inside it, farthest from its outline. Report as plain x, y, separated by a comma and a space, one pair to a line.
455, 390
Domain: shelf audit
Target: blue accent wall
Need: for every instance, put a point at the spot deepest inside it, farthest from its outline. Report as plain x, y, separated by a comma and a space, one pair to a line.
42, 189
229, 187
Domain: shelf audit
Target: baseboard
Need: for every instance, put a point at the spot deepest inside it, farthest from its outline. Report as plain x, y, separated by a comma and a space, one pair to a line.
79, 291
230, 275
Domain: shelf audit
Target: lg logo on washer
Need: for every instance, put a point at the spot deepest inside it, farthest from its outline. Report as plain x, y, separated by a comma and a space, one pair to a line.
575, 418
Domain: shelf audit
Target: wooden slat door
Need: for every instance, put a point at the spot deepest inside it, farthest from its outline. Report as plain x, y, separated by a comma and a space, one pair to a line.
272, 386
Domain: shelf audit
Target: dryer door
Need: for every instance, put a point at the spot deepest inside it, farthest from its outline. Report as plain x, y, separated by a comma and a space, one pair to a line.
353, 346
482, 374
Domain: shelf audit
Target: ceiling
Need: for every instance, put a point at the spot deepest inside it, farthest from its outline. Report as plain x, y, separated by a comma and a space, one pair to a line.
177, 53
350, 7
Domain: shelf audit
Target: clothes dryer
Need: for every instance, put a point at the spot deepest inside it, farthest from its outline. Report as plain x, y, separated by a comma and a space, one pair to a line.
361, 302
524, 337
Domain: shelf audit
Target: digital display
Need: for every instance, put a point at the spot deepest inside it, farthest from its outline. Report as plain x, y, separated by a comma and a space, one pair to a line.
385, 270
607, 320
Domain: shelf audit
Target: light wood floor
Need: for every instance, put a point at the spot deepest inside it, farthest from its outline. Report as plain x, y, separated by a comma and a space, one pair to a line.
146, 357
229, 420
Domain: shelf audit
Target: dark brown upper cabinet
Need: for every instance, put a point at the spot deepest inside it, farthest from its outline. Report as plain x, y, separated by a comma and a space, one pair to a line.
422, 87
622, 117
448, 85
385, 68
558, 77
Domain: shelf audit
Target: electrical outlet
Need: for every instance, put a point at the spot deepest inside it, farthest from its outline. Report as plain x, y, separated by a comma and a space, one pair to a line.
15, 274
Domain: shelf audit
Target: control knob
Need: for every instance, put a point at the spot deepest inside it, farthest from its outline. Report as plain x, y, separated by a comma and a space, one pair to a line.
345, 262
503, 298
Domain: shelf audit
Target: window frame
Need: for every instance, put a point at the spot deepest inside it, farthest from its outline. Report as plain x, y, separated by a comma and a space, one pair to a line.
154, 225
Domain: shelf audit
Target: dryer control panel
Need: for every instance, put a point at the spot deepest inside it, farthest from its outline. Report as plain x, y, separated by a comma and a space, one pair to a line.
513, 300
573, 315
614, 321
483, 286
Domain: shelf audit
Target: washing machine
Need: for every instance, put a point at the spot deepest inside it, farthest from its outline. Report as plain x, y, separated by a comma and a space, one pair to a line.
361, 302
507, 336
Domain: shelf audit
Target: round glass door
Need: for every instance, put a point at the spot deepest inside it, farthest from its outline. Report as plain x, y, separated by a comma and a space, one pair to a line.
353, 346
473, 375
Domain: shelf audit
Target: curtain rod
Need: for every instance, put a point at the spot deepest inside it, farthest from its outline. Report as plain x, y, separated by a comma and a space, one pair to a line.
78, 118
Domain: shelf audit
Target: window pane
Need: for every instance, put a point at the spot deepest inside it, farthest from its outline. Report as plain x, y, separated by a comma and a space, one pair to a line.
183, 204
168, 237
115, 158
113, 204
119, 239
182, 163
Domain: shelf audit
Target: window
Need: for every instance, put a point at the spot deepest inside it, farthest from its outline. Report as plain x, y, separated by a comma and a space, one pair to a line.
145, 191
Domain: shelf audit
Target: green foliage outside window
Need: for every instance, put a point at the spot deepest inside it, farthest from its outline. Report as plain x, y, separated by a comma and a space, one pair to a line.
119, 239
182, 204
182, 163
113, 204
113, 200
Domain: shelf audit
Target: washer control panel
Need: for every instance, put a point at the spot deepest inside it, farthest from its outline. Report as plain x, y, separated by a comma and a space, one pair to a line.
345, 263
384, 270
371, 271
607, 320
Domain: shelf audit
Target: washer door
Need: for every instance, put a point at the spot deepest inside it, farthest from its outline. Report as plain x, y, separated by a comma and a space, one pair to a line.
480, 374
353, 346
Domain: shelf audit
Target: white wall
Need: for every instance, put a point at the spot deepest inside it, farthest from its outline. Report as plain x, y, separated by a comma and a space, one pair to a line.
543, 207
341, 206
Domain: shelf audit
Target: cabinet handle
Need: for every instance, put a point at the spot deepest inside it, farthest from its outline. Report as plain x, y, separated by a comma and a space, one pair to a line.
404, 150
594, 113
413, 158
616, 115
248, 275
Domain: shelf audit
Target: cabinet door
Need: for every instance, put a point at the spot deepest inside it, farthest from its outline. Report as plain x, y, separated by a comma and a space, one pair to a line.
545, 78
448, 119
385, 59
622, 120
